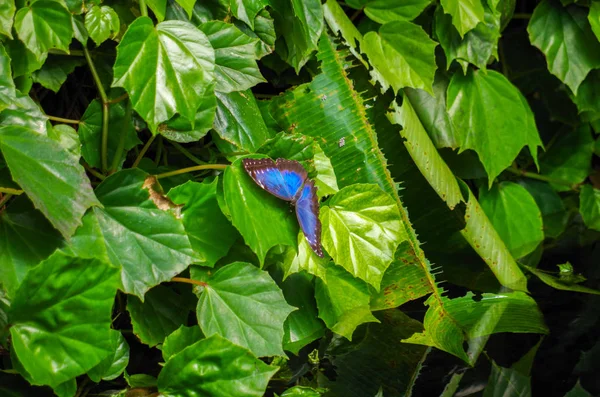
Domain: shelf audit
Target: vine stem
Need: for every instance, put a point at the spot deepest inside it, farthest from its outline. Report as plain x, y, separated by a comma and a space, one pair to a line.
94, 172
143, 151
8, 190
4, 199
63, 120
190, 169
188, 281
105, 104
186, 153
143, 8
533, 175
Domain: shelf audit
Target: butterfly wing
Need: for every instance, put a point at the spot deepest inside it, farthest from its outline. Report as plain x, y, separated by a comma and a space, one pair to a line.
307, 212
282, 179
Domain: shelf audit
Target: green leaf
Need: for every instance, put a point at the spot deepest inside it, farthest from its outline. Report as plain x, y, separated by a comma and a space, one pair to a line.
162, 312
564, 35
44, 25
384, 11
361, 231
578, 390
23, 61
90, 133
478, 104
588, 98
507, 382
61, 318
343, 301
476, 47
55, 183
589, 206
373, 362
80, 6
165, 69
55, 70
210, 232
159, 8
232, 305
7, 85
235, 54
553, 210
187, 5
7, 12
404, 55
20, 225
515, 215
493, 313
179, 339
113, 365
262, 219
569, 158
558, 282
466, 14
180, 129
23, 111
325, 181
102, 23
594, 18
247, 10
264, 30
214, 367
148, 244
303, 391
299, 25
238, 120
304, 258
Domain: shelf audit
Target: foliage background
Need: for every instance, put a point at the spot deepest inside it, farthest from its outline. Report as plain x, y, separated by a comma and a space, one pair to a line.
455, 149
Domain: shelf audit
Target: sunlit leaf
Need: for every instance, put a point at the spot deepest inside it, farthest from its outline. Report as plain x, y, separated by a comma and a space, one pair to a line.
214, 367
594, 18
383, 11
7, 85
233, 302
165, 69
466, 14
180, 129
247, 10
113, 365
564, 35
304, 258
7, 12
61, 318
102, 23
159, 8
179, 339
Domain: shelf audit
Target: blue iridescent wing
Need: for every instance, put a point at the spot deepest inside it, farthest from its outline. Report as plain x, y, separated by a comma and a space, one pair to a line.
282, 178
307, 212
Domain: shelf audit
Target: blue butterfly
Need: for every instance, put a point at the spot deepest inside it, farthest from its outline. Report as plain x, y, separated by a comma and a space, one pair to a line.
288, 180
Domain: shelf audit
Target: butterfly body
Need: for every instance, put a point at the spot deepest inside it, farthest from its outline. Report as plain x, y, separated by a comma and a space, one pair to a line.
288, 180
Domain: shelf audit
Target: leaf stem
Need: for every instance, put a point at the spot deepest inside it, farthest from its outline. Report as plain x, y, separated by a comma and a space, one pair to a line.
121, 144
521, 16
77, 53
533, 175
159, 150
62, 120
8, 190
191, 169
186, 153
143, 151
143, 8
94, 172
4, 199
119, 98
189, 281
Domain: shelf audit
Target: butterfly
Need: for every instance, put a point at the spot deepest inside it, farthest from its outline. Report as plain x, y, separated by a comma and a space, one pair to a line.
288, 180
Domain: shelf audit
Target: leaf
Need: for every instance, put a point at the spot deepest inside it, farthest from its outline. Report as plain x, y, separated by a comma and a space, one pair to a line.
578, 390
343, 301
383, 11
55, 70
304, 258
162, 312
558, 283
262, 219
180, 129
102, 23
404, 55
214, 367
553, 210
20, 225
7, 11
507, 381
148, 244
210, 232
564, 35
179, 339
493, 313
569, 158
23, 61
325, 181
232, 304
90, 133
80, 6
515, 215
158, 7
187, 5
44, 25
165, 69
373, 362
61, 318
587, 94
477, 45
302, 391
7, 85
589, 206
466, 14
264, 30
235, 54
247, 10
299, 25
594, 18
238, 120
55, 183
478, 104
361, 231
112, 366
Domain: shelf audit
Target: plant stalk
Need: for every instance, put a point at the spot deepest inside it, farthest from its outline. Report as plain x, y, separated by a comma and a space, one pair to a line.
533, 175
191, 169
63, 120
186, 153
143, 151
8, 190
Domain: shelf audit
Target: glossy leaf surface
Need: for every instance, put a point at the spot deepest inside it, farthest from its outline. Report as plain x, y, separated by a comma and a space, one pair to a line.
102, 23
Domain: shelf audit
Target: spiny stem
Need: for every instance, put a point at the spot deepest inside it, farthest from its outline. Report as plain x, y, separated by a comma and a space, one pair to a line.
191, 169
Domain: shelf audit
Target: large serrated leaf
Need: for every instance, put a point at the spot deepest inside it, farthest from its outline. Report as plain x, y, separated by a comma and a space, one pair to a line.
466, 14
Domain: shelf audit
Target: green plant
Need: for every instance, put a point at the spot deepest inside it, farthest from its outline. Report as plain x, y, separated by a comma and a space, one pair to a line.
137, 257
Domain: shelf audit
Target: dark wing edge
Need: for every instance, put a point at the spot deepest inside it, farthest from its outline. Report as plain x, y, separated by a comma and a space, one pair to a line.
314, 207
252, 166
294, 166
